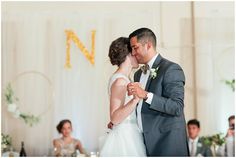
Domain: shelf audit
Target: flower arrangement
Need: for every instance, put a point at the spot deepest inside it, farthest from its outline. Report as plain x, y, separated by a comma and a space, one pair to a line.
153, 72
6, 141
12, 107
214, 141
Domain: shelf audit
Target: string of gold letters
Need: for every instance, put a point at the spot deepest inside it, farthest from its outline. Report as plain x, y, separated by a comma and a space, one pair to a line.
71, 36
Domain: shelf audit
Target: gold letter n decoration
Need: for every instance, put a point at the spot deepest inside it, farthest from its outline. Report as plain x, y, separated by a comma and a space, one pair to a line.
71, 36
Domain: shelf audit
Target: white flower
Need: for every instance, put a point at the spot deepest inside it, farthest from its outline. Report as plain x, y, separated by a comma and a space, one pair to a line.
199, 145
199, 155
12, 108
153, 73
17, 113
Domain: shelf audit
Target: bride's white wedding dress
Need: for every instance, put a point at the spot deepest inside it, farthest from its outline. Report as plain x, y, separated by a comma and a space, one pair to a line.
125, 139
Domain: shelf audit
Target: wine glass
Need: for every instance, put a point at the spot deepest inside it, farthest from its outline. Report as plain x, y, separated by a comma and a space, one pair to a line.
94, 154
56, 151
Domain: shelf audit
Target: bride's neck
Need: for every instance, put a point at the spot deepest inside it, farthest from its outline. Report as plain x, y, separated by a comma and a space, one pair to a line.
124, 69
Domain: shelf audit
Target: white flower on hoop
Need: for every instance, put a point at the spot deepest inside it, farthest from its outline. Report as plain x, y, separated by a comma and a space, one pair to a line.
13, 108
17, 113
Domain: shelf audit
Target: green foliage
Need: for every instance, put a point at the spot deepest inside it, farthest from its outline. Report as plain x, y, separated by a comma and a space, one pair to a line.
6, 141
230, 83
9, 94
30, 119
216, 139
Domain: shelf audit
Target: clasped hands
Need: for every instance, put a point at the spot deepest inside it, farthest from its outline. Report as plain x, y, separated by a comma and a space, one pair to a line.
135, 89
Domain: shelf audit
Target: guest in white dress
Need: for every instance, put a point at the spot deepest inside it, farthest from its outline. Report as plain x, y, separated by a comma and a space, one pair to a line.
125, 138
66, 145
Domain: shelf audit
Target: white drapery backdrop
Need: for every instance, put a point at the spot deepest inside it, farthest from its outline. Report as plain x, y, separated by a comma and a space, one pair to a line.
33, 38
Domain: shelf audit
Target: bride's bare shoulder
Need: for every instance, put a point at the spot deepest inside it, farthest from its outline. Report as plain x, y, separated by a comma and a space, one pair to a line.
120, 82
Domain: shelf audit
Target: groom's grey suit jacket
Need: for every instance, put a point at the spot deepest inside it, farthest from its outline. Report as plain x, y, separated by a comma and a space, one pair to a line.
163, 121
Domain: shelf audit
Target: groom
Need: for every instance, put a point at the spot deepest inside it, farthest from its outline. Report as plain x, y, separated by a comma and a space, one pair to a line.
160, 84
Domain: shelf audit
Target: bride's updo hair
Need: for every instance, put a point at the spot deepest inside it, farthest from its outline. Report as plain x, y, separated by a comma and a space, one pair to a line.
118, 51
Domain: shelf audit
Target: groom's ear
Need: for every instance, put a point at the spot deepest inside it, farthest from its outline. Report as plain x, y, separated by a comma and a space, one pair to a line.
149, 44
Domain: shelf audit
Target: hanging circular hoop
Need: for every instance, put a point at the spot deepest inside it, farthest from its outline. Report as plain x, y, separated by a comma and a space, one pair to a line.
51, 97
219, 58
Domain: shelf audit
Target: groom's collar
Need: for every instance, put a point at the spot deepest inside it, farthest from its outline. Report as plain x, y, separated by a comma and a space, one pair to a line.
157, 61
150, 63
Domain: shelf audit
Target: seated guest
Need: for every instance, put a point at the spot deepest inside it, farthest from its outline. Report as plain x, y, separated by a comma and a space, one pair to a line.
66, 145
196, 145
230, 138
228, 149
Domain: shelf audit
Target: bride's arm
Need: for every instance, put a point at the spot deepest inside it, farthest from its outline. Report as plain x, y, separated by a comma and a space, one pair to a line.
119, 111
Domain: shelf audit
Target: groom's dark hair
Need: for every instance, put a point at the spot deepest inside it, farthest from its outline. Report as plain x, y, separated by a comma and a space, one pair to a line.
144, 34
194, 122
118, 51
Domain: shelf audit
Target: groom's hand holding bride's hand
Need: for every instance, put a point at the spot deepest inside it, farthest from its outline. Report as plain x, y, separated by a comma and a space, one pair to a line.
135, 88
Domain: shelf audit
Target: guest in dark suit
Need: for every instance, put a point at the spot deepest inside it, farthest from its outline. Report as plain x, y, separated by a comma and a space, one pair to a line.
196, 145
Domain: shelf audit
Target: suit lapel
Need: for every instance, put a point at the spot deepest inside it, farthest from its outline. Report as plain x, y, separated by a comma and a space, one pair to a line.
154, 66
199, 148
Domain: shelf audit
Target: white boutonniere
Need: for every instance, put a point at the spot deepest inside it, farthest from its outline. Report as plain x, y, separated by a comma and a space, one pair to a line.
153, 72
199, 145
199, 155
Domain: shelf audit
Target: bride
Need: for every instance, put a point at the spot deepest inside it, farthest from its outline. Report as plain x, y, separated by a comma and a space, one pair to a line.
125, 138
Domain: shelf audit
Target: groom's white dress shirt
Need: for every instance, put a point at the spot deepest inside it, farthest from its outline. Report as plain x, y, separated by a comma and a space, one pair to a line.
143, 80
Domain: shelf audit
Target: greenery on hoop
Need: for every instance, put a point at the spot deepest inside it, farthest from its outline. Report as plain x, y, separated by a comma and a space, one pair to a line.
11, 101
230, 83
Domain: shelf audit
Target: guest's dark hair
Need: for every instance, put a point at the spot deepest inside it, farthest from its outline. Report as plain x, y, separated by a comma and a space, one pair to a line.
232, 117
144, 34
118, 51
194, 122
61, 124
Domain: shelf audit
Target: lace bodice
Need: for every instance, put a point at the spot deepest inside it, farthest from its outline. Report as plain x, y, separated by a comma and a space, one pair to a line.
67, 149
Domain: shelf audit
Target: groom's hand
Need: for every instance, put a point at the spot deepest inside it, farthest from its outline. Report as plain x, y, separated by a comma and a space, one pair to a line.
135, 88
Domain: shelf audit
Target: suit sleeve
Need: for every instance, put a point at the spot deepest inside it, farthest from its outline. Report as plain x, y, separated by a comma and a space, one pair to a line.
172, 100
